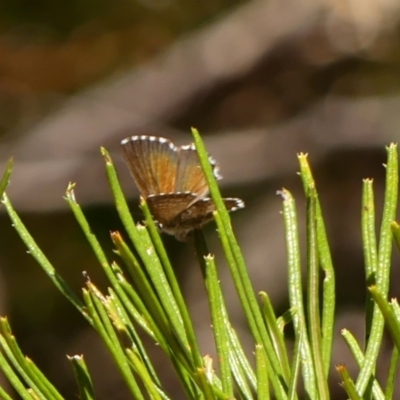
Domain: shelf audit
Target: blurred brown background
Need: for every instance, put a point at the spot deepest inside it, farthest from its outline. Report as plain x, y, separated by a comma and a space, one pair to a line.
262, 80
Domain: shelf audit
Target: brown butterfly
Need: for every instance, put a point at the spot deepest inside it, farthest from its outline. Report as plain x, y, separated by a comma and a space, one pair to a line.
172, 182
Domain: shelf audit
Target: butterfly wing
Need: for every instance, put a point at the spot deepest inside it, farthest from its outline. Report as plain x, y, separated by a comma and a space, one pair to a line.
153, 163
201, 211
165, 208
172, 182
190, 176
180, 213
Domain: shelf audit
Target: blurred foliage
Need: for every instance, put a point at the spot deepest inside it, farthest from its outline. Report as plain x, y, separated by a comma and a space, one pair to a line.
57, 46
64, 17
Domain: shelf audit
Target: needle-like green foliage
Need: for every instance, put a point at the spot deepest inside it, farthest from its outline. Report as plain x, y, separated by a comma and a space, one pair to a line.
145, 295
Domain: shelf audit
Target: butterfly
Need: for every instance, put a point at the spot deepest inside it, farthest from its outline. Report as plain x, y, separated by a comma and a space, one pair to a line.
173, 184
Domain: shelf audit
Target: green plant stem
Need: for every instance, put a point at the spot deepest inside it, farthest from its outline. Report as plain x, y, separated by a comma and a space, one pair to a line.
359, 357
396, 233
219, 324
128, 327
230, 353
296, 364
262, 375
391, 379
388, 314
171, 276
314, 326
39, 256
276, 335
10, 374
239, 271
82, 376
151, 262
296, 289
383, 270
348, 384
104, 328
42, 388
151, 388
6, 177
325, 262
369, 248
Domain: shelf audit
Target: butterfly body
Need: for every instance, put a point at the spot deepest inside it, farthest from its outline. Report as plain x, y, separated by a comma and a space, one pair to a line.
172, 182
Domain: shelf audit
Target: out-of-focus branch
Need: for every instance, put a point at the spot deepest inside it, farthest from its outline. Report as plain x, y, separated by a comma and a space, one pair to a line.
64, 146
